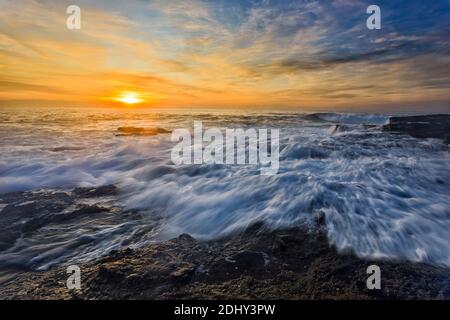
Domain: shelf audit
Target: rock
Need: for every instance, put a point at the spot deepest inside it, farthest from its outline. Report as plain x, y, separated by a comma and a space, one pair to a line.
337, 128
249, 260
31, 204
136, 131
319, 218
28, 211
43, 220
84, 209
429, 126
236, 264
7, 238
184, 237
94, 192
24, 213
242, 266
183, 273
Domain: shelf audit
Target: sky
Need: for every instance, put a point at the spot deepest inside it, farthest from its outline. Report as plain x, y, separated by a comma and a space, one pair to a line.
227, 53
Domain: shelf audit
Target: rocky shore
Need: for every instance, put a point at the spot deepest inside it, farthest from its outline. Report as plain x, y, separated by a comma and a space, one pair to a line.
426, 126
257, 264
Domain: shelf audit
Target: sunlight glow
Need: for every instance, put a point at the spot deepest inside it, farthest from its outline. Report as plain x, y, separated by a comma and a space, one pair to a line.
129, 98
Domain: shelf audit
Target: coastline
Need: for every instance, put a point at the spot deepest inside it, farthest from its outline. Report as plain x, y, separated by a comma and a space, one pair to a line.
257, 264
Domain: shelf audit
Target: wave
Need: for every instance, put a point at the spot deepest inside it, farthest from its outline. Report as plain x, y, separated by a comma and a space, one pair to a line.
380, 195
349, 118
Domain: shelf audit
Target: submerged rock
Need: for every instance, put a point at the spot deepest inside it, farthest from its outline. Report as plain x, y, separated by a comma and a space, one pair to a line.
429, 126
26, 213
93, 192
338, 128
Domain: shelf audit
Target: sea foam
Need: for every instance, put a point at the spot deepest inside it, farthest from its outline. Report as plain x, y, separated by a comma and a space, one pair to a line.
381, 195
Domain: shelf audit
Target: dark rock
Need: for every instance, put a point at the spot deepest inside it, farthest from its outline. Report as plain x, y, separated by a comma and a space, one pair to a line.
28, 211
243, 266
249, 260
429, 126
84, 209
183, 273
136, 131
32, 204
186, 238
7, 238
43, 220
319, 218
340, 128
94, 192
244, 262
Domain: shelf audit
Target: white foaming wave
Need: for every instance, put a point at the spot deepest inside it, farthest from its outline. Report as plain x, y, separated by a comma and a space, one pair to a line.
382, 200
382, 196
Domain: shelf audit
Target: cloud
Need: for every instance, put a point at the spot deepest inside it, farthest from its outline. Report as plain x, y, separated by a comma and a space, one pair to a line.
238, 53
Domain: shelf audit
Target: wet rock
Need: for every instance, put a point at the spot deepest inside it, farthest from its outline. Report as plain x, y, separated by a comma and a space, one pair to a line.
429, 126
319, 218
7, 238
337, 128
84, 209
249, 260
244, 262
31, 204
27, 211
94, 192
183, 273
278, 246
136, 131
44, 220
66, 148
243, 266
24, 213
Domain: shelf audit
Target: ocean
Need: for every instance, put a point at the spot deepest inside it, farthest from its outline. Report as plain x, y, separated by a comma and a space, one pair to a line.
379, 194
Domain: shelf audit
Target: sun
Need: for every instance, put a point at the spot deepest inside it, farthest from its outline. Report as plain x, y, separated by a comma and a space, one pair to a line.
129, 98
